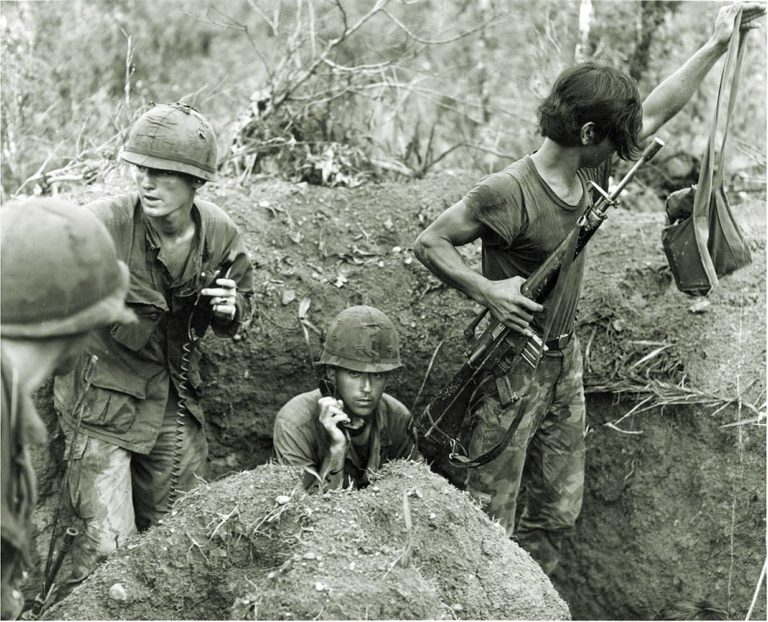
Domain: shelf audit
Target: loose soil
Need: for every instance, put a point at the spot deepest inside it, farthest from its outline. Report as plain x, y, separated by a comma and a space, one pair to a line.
675, 499
254, 545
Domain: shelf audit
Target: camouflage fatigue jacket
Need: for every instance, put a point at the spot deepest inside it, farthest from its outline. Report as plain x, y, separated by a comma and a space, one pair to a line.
136, 362
21, 426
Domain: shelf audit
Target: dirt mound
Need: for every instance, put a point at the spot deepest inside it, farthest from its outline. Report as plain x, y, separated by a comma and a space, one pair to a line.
254, 545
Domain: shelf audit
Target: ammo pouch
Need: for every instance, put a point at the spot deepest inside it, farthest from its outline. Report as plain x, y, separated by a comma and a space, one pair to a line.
703, 241
149, 306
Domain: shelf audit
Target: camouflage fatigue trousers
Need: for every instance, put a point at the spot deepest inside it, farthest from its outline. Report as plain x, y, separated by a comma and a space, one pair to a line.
546, 454
115, 491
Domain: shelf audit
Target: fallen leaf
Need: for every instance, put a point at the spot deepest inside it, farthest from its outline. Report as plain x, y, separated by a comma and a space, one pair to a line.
304, 307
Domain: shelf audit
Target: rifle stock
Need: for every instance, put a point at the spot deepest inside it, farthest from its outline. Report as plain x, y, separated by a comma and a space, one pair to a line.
441, 423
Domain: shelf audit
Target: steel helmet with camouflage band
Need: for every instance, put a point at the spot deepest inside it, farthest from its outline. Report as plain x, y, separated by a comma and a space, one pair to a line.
173, 137
362, 339
59, 271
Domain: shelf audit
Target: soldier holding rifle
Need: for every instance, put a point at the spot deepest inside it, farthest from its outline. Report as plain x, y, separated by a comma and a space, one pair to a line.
521, 214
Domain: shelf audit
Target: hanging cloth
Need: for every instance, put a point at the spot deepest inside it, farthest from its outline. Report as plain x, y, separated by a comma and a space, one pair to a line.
704, 241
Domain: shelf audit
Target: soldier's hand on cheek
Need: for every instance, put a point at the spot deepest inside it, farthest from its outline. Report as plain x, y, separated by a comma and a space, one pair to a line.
331, 415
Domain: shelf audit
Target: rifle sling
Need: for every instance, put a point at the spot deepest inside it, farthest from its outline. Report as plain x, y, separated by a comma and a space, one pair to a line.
557, 297
470, 463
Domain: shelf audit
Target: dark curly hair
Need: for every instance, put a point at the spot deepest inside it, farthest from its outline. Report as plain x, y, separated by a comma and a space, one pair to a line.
598, 93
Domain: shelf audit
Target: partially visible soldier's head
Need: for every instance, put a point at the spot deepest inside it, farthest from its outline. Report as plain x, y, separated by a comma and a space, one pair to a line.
692, 610
360, 350
60, 276
173, 150
594, 93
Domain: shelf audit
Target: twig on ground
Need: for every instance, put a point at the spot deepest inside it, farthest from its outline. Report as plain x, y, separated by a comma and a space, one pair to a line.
757, 589
426, 375
613, 427
224, 519
195, 543
405, 558
659, 394
274, 514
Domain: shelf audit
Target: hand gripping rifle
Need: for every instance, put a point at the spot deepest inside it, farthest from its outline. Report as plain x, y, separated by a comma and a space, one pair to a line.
500, 350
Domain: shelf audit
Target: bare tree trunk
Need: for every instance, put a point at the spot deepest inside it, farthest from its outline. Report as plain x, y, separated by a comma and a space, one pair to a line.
585, 23
652, 14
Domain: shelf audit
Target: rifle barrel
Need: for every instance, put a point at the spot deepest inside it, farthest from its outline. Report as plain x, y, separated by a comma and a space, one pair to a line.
536, 287
540, 283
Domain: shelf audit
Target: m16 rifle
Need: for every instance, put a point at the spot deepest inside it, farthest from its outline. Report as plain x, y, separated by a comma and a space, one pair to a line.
501, 351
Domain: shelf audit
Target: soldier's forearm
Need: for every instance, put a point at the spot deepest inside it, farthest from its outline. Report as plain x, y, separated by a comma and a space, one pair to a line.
441, 258
669, 97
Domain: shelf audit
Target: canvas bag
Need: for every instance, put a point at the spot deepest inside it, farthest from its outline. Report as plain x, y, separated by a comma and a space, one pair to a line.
705, 242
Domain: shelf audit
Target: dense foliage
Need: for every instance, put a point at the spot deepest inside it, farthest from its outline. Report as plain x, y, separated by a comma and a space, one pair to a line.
335, 92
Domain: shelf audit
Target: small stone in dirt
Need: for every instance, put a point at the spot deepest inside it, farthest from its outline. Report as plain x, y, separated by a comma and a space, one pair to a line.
699, 307
375, 489
282, 499
309, 555
320, 586
288, 296
118, 593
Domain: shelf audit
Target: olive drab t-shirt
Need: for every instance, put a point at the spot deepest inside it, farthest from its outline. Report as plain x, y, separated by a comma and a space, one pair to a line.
525, 222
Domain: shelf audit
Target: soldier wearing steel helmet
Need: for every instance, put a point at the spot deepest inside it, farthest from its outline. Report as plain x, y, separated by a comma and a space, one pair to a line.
61, 278
142, 431
339, 438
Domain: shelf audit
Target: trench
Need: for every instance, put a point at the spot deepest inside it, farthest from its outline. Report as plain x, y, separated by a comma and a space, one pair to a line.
673, 509
674, 512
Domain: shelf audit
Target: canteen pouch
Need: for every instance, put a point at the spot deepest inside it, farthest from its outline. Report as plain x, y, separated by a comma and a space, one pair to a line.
704, 241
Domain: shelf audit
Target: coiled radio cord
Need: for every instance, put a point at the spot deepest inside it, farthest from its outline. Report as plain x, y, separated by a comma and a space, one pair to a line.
195, 332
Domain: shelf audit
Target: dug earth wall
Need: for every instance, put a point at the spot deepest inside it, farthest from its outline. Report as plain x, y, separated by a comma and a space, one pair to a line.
675, 495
